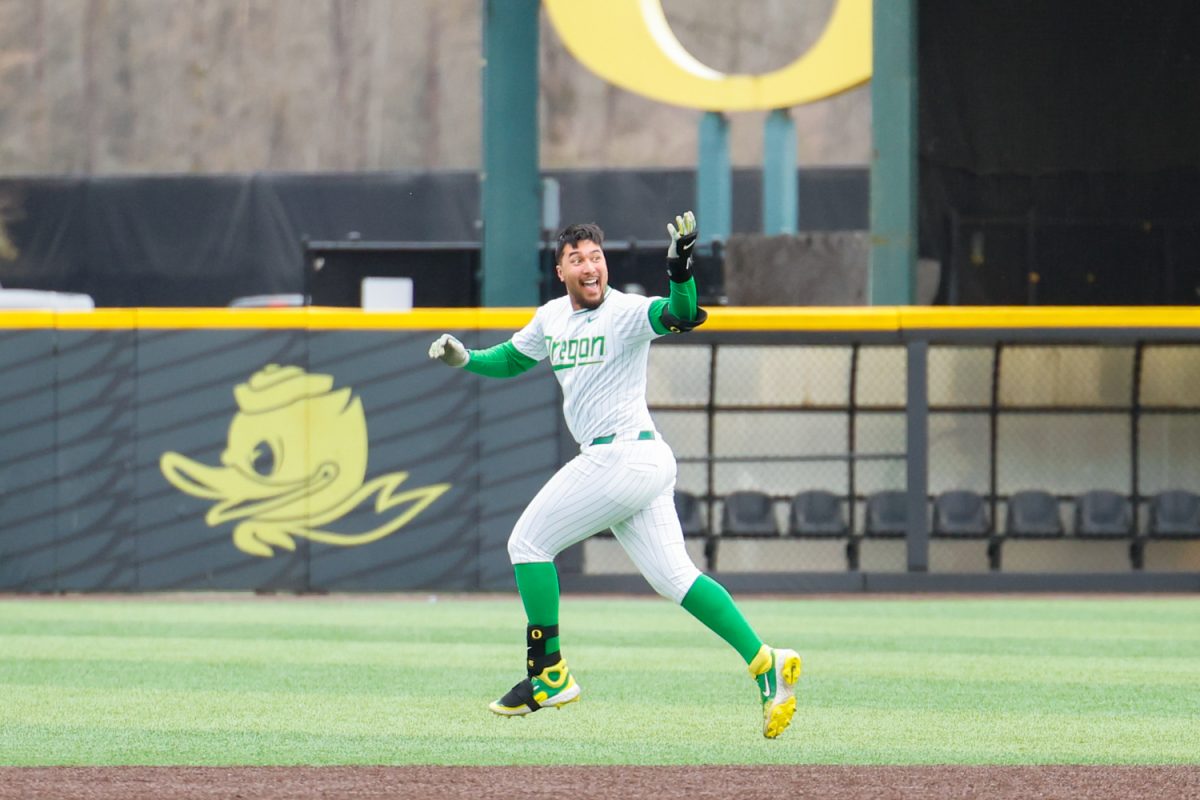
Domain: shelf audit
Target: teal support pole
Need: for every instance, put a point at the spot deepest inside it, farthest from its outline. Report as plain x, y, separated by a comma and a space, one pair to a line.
510, 186
894, 163
714, 179
780, 189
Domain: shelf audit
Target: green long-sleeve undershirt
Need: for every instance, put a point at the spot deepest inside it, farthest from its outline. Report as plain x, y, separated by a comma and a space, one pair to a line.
506, 361
501, 361
681, 302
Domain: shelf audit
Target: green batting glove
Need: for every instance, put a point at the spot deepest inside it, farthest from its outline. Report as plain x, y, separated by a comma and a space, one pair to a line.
679, 254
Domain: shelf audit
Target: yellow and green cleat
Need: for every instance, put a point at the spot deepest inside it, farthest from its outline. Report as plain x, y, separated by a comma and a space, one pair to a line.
553, 686
776, 673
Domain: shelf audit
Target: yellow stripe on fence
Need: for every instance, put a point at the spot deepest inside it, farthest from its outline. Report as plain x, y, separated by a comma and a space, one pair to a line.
723, 318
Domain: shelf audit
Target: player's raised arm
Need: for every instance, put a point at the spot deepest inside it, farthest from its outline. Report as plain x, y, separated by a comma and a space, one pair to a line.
502, 361
683, 235
679, 312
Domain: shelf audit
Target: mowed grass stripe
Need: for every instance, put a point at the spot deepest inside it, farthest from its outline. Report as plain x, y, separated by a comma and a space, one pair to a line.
880, 736
823, 688
824, 671
877, 624
331, 610
417, 612
337, 728
331, 681
514, 741
77, 636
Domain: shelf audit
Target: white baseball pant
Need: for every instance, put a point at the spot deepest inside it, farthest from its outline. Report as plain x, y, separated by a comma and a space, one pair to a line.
628, 486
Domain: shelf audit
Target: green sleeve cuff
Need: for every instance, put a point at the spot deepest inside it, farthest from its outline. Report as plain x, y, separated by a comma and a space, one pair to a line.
681, 303
502, 361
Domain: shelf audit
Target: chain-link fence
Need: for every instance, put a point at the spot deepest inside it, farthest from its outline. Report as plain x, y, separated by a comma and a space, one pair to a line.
1039, 457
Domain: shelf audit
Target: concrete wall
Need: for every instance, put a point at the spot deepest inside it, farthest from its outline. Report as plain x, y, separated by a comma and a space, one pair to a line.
137, 86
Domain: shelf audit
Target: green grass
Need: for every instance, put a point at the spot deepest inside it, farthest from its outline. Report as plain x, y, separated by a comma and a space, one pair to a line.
217, 681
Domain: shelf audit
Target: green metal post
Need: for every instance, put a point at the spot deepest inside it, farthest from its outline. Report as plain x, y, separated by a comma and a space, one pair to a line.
510, 187
780, 190
714, 179
894, 165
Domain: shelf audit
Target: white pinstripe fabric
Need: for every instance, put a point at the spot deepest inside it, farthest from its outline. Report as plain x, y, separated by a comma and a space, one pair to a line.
599, 358
604, 392
626, 486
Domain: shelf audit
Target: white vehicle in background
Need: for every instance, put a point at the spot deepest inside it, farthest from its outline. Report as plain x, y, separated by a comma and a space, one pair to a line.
38, 299
288, 300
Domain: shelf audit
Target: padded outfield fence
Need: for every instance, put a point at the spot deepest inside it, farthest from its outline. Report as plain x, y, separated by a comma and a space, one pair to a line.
819, 449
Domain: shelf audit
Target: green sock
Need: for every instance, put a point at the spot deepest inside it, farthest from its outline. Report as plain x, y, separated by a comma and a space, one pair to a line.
709, 602
538, 585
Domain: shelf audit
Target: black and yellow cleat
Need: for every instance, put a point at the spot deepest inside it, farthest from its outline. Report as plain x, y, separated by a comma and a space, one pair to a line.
553, 686
776, 673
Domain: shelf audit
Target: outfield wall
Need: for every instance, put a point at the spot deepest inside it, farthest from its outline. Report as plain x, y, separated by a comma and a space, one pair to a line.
320, 450
92, 406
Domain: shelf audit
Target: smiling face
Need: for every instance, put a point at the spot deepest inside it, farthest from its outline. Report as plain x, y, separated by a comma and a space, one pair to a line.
585, 272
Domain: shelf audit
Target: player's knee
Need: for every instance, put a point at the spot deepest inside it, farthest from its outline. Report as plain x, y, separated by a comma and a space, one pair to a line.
667, 590
674, 586
522, 551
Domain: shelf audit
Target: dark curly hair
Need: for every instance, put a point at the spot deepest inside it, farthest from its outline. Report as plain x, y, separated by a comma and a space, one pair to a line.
574, 234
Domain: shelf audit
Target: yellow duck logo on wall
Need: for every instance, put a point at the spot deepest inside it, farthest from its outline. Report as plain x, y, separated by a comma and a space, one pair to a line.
295, 462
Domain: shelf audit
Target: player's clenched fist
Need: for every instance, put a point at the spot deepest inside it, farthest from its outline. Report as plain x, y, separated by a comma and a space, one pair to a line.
448, 349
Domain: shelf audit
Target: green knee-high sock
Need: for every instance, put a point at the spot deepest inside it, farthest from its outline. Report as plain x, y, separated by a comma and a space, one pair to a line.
709, 602
538, 585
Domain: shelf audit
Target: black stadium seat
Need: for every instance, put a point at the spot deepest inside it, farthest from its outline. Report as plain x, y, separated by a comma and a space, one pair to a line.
687, 505
961, 514
887, 515
1175, 514
818, 514
748, 513
1103, 514
1033, 514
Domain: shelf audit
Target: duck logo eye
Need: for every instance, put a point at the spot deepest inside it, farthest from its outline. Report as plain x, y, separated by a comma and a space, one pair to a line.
262, 459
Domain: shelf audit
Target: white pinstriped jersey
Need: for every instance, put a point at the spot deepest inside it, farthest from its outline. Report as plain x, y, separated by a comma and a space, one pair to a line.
599, 357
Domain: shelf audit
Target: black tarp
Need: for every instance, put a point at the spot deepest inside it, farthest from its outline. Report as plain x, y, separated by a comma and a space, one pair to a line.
204, 240
1060, 150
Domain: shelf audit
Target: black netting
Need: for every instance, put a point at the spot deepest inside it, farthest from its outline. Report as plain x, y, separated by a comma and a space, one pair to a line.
1060, 150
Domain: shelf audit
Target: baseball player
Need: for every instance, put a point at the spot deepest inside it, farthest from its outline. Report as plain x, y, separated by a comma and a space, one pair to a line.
597, 340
